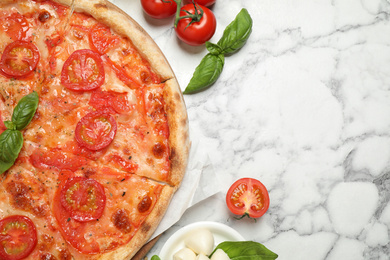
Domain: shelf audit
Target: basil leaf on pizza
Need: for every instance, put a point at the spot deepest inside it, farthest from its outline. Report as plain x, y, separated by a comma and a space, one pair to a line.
25, 110
11, 142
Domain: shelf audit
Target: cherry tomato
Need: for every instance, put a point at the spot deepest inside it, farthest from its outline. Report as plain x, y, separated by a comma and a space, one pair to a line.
96, 130
83, 71
102, 39
18, 237
196, 33
19, 59
248, 197
206, 3
83, 198
159, 8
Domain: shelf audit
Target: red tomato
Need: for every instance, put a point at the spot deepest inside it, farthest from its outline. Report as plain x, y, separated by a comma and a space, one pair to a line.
205, 2
115, 102
18, 237
159, 8
96, 130
83, 71
102, 39
248, 197
16, 26
83, 198
19, 59
58, 159
196, 33
73, 231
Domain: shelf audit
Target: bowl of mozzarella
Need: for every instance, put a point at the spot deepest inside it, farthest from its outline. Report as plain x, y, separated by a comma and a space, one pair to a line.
197, 241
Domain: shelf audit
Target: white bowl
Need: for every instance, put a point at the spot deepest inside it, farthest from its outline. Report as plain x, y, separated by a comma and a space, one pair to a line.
220, 231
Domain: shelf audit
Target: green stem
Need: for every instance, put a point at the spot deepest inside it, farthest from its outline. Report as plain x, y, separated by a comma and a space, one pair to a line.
194, 17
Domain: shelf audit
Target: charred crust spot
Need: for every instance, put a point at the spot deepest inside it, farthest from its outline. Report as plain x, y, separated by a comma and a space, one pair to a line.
173, 154
145, 204
177, 97
121, 221
97, 6
44, 16
159, 150
21, 198
145, 227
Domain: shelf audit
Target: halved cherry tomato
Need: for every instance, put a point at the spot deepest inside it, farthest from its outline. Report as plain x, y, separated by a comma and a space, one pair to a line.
83, 71
96, 130
102, 39
19, 59
159, 8
83, 198
18, 237
248, 197
196, 33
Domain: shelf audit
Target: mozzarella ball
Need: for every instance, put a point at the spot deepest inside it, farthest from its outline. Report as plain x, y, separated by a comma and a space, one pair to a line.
202, 257
220, 255
184, 254
201, 241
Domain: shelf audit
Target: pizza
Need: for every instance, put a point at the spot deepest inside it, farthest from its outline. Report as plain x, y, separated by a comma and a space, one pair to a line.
108, 144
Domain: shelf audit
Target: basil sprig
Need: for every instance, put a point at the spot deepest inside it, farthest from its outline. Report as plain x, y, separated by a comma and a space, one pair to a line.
246, 250
210, 68
11, 140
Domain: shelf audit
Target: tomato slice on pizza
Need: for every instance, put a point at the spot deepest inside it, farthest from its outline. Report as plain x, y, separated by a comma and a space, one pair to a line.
101, 39
18, 237
19, 59
15, 25
96, 130
83, 198
83, 71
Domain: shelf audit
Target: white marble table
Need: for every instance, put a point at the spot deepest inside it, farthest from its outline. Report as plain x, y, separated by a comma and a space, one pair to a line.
305, 108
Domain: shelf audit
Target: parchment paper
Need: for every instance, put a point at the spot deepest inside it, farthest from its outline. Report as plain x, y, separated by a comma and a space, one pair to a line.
199, 183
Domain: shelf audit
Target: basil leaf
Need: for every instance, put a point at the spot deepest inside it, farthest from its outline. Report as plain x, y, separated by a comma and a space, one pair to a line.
236, 33
246, 250
213, 48
11, 142
10, 125
25, 110
206, 73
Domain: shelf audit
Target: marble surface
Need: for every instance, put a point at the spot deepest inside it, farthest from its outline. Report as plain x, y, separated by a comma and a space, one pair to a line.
305, 108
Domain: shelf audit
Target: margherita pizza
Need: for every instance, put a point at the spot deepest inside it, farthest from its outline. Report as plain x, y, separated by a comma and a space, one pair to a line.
108, 144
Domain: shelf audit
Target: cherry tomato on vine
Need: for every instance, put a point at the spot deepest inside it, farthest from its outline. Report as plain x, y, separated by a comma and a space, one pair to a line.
206, 3
248, 197
196, 32
159, 9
